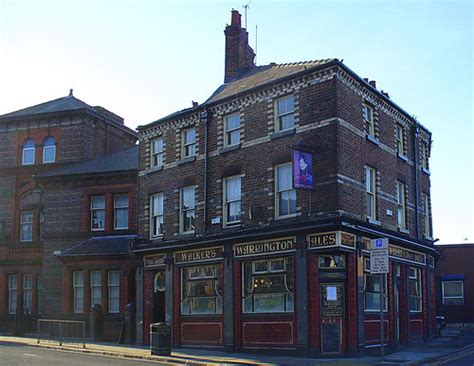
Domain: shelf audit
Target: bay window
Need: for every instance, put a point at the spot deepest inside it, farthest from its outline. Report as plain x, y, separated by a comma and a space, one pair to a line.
201, 290
268, 286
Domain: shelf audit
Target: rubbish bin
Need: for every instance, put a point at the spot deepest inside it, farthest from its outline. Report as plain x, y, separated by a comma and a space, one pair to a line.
160, 339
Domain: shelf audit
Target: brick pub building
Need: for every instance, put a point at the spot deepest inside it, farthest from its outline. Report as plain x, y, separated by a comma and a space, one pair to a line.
236, 257
68, 175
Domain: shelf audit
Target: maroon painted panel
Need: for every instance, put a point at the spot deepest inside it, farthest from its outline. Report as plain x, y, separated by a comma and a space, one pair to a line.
372, 331
268, 333
201, 333
416, 328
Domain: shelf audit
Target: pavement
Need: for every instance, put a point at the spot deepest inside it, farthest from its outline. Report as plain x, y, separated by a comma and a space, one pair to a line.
420, 354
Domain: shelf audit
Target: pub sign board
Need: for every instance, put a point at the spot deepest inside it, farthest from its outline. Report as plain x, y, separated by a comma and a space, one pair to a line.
332, 300
302, 169
331, 239
155, 260
199, 255
265, 247
379, 256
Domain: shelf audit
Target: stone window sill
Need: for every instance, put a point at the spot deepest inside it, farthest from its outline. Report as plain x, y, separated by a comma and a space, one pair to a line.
373, 221
428, 237
426, 171
226, 149
155, 169
372, 139
403, 230
402, 157
277, 135
186, 160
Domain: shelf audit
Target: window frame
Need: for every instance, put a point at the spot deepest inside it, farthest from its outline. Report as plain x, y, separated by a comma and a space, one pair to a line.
112, 286
12, 294
401, 205
426, 215
92, 210
385, 285
154, 219
371, 177
78, 286
279, 117
185, 145
368, 115
278, 192
424, 157
26, 223
183, 211
27, 293
157, 158
228, 132
96, 286
443, 297
122, 208
227, 202
49, 147
29, 148
419, 285
400, 139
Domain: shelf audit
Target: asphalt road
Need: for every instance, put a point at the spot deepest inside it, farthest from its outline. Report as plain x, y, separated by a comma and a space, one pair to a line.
13, 355
463, 358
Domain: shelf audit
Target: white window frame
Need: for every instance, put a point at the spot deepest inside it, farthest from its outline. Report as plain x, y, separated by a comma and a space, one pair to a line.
157, 152
371, 192
27, 293
426, 215
49, 147
96, 287
24, 149
188, 144
78, 287
279, 116
183, 211
416, 277
228, 202
401, 205
156, 217
26, 223
12, 294
114, 308
121, 208
424, 156
281, 191
400, 140
93, 209
368, 114
229, 132
443, 297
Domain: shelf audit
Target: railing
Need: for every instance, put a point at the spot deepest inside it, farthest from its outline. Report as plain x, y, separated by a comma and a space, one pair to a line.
62, 331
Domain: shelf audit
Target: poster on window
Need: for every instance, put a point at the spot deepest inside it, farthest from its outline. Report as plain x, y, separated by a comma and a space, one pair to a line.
302, 170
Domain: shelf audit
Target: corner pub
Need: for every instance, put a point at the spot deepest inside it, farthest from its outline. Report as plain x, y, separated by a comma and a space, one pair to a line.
257, 207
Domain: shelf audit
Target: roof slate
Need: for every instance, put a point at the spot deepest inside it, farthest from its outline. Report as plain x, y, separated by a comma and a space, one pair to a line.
101, 245
123, 160
68, 103
261, 75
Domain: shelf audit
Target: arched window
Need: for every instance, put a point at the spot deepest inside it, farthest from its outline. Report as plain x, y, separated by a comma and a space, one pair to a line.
28, 152
49, 150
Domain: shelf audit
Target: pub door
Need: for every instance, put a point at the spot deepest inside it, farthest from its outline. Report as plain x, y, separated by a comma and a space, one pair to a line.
159, 310
332, 296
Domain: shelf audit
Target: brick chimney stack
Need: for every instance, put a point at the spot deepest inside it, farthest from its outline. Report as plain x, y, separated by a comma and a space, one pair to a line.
238, 54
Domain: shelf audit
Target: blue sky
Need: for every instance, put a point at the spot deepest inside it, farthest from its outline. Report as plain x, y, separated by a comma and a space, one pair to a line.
145, 59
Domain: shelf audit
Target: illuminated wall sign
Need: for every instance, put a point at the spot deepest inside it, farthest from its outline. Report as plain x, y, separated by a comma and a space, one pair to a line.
199, 255
157, 260
331, 239
281, 245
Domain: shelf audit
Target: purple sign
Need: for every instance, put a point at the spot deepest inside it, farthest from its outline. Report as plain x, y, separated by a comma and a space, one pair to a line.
302, 170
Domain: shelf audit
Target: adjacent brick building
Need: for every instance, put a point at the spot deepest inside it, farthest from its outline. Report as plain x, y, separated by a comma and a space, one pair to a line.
455, 284
236, 257
53, 157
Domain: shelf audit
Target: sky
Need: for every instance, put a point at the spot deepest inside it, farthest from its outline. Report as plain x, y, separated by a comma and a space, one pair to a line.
146, 59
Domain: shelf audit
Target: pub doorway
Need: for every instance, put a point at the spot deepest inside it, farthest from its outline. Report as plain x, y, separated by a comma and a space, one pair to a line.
159, 309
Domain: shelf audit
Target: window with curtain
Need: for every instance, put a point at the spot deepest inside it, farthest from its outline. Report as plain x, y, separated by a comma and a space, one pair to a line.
285, 194
232, 198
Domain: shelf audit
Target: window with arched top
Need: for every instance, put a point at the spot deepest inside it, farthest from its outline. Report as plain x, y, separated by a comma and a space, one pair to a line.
49, 150
28, 157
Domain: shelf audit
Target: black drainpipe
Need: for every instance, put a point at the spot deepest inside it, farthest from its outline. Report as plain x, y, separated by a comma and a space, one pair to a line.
204, 117
417, 188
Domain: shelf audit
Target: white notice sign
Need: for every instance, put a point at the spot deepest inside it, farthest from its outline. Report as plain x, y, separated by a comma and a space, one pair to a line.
331, 293
379, 256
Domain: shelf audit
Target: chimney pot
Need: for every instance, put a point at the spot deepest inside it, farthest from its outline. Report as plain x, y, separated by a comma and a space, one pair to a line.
235, 19
366, 80
373, 83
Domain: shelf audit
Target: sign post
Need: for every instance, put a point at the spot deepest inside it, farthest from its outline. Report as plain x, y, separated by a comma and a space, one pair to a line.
379, 265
